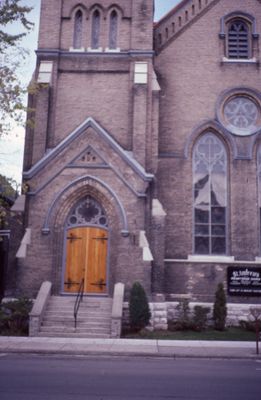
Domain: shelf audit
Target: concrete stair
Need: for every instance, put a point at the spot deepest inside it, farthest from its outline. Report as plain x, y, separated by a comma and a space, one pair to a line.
93, 321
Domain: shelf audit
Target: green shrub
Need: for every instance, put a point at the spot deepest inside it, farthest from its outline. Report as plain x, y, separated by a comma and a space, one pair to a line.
139, 308
14, 317
183, 321
249, 325
220, 308
200, 318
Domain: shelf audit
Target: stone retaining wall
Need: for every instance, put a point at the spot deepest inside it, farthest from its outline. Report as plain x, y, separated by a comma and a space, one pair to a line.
163, 311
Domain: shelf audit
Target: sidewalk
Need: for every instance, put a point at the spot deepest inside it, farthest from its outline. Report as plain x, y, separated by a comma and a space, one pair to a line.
129, 347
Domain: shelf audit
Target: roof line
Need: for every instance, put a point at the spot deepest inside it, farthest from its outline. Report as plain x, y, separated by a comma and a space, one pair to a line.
89, 122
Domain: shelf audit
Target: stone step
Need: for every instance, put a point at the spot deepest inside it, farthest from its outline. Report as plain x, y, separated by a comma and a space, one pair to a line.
83, 323
75, 335
93, 320
85, 300
52, 307
83, 311
80, 315
71, 329
70, 317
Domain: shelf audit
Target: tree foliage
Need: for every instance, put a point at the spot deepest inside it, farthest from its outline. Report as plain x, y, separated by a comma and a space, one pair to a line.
11, 56
7, 197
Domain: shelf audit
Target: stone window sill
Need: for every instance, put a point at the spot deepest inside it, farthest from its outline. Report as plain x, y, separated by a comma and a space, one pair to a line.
80, 50
108, 50
206, 258
99, 50
226, 60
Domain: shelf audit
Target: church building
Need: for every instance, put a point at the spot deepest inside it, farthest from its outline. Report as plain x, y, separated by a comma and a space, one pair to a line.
144, 159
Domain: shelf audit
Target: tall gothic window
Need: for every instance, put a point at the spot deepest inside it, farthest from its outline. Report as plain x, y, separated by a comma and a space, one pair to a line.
77, 37
259, 188
238, 40
113, 30
96, 22
210, 196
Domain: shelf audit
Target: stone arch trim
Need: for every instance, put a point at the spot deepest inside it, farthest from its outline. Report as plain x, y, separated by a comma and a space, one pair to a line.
77, 7
114, 7
241, 15
215, 128
74, 191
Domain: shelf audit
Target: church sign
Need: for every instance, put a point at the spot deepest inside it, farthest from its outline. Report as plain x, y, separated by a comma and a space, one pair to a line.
244, 281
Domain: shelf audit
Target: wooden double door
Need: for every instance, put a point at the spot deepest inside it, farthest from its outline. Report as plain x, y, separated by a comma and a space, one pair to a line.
86, 260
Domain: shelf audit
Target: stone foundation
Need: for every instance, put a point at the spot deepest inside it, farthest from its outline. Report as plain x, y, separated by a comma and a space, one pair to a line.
164, 311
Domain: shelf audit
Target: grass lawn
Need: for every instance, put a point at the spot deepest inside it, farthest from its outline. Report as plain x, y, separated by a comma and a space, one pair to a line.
236, 334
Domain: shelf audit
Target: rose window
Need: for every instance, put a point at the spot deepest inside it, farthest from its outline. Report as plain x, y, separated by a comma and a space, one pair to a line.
241, 112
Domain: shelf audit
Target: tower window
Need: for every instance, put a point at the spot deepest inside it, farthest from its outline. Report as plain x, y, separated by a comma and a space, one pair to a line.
113, 32
77, 37
96, 22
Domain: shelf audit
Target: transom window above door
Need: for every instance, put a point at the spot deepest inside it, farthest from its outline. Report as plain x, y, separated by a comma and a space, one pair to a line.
88, 211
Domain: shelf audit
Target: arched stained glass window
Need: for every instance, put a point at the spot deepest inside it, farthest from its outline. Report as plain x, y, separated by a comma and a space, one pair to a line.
259, 187
87, 212
210, 195
238, 40
96, 22
113, 30
77, 37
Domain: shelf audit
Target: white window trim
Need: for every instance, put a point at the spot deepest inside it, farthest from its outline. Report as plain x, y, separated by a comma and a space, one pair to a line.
98, 50
75, 50
210, 258
238, 60
108, 50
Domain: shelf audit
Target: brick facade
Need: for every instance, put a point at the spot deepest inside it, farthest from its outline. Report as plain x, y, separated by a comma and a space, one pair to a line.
121, 125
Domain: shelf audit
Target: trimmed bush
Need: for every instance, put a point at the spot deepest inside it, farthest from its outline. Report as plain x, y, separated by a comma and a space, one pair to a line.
139, 308
183, 321
220, 308
200, 318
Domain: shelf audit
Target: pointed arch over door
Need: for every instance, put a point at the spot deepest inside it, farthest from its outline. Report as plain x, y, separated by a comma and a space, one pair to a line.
86, 248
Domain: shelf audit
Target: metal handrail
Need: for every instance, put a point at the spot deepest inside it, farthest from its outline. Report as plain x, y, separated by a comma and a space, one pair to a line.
78, 301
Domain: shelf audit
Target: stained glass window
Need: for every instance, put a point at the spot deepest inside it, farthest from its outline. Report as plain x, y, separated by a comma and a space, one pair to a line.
259, 188
210, 196
77, 38
96, 21
241, 112
113, 32
87, 212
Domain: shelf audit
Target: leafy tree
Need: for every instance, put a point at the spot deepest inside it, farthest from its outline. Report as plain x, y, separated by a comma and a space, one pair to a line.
220, 308
11, 56
139, 308
7, 196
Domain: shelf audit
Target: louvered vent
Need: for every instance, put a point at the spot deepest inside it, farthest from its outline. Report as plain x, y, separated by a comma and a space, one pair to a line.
238, 44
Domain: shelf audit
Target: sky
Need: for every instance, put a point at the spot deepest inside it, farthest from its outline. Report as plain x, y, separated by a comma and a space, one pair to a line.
11, 147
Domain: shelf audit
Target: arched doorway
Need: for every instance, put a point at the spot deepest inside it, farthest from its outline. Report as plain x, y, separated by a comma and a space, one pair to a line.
86, 248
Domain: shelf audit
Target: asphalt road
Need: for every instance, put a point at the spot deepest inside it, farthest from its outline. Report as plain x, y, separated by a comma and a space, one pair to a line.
54, 378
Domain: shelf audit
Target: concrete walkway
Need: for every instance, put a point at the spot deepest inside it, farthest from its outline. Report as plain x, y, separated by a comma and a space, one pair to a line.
128, 347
